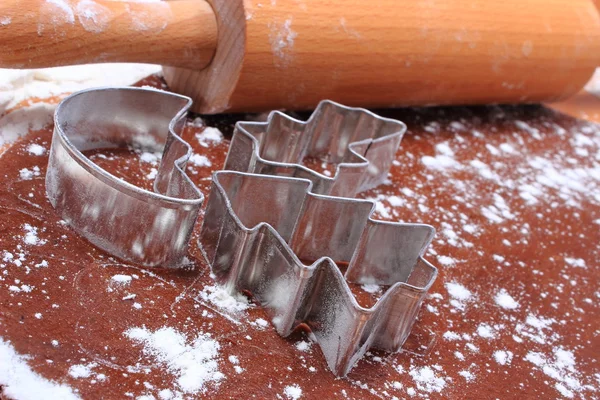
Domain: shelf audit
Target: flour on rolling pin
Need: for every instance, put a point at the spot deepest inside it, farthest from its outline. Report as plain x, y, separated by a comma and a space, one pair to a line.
282, 41
68, 32
95, 17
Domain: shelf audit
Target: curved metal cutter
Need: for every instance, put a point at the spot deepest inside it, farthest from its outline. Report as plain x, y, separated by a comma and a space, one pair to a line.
279, 233
150, 228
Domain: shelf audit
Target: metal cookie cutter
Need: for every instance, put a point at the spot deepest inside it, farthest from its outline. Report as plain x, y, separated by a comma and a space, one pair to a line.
150, 228
280, 235
361, 143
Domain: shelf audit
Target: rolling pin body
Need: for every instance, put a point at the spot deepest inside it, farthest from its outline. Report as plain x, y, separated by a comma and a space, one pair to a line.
381, 53
251, 55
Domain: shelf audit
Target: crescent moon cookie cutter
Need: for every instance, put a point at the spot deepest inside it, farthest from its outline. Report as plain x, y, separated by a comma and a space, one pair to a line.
134, 224
279, 230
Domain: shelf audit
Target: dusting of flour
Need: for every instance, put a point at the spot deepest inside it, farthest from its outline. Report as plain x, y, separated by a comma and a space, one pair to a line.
193, 363
19, 381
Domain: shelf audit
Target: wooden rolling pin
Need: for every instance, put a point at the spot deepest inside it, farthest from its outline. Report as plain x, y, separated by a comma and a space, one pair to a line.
251, 55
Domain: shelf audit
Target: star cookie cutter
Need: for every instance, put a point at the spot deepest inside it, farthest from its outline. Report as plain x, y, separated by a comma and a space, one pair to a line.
277, 229
137, 225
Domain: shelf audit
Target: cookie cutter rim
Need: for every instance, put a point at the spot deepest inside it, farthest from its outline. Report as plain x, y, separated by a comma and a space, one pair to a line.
165, 217
242, 127
311, 267
111, 179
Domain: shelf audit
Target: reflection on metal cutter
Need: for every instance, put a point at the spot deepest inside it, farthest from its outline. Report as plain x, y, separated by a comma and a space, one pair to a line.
279, 230
144, 227
272, 226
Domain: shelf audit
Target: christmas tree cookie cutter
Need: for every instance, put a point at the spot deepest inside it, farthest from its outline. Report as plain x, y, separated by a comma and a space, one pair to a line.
278, 230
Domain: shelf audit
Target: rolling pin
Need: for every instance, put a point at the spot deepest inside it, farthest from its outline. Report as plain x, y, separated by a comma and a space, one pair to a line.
253, 55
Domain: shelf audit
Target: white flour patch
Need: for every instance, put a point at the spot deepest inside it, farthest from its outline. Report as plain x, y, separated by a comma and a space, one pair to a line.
28, 174
81, 371
575, 262
449, 335
371, 288
444, 149
19, 381
560, 367
152, 174
499, 211
529, 129
484, 170
17, 123
209, 136
507, 148
303, 345
4, 21
469, 377
427, 380
535, 328
446, 261
200, 161
443, 160
92, 16
64, 7
460, 295
293, 392
381, 210
36, 149
197, 122
505, 300
440, 162
493, 150
503, 357
19, 85
530, 194
121, 279
152, 158
569, 184
238, 369
218, 296
458, 291
260, 323
193, 363
457, 126
31, 236
486, 331
396, 201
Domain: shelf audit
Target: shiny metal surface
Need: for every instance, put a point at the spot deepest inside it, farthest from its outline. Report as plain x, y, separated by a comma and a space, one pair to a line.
272, 226
149, 228
279, 231
361, 143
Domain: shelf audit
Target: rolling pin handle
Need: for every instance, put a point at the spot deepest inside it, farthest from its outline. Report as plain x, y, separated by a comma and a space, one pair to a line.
42, 33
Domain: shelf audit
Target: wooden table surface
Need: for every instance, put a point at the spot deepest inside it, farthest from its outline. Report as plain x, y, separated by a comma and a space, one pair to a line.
514, 193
